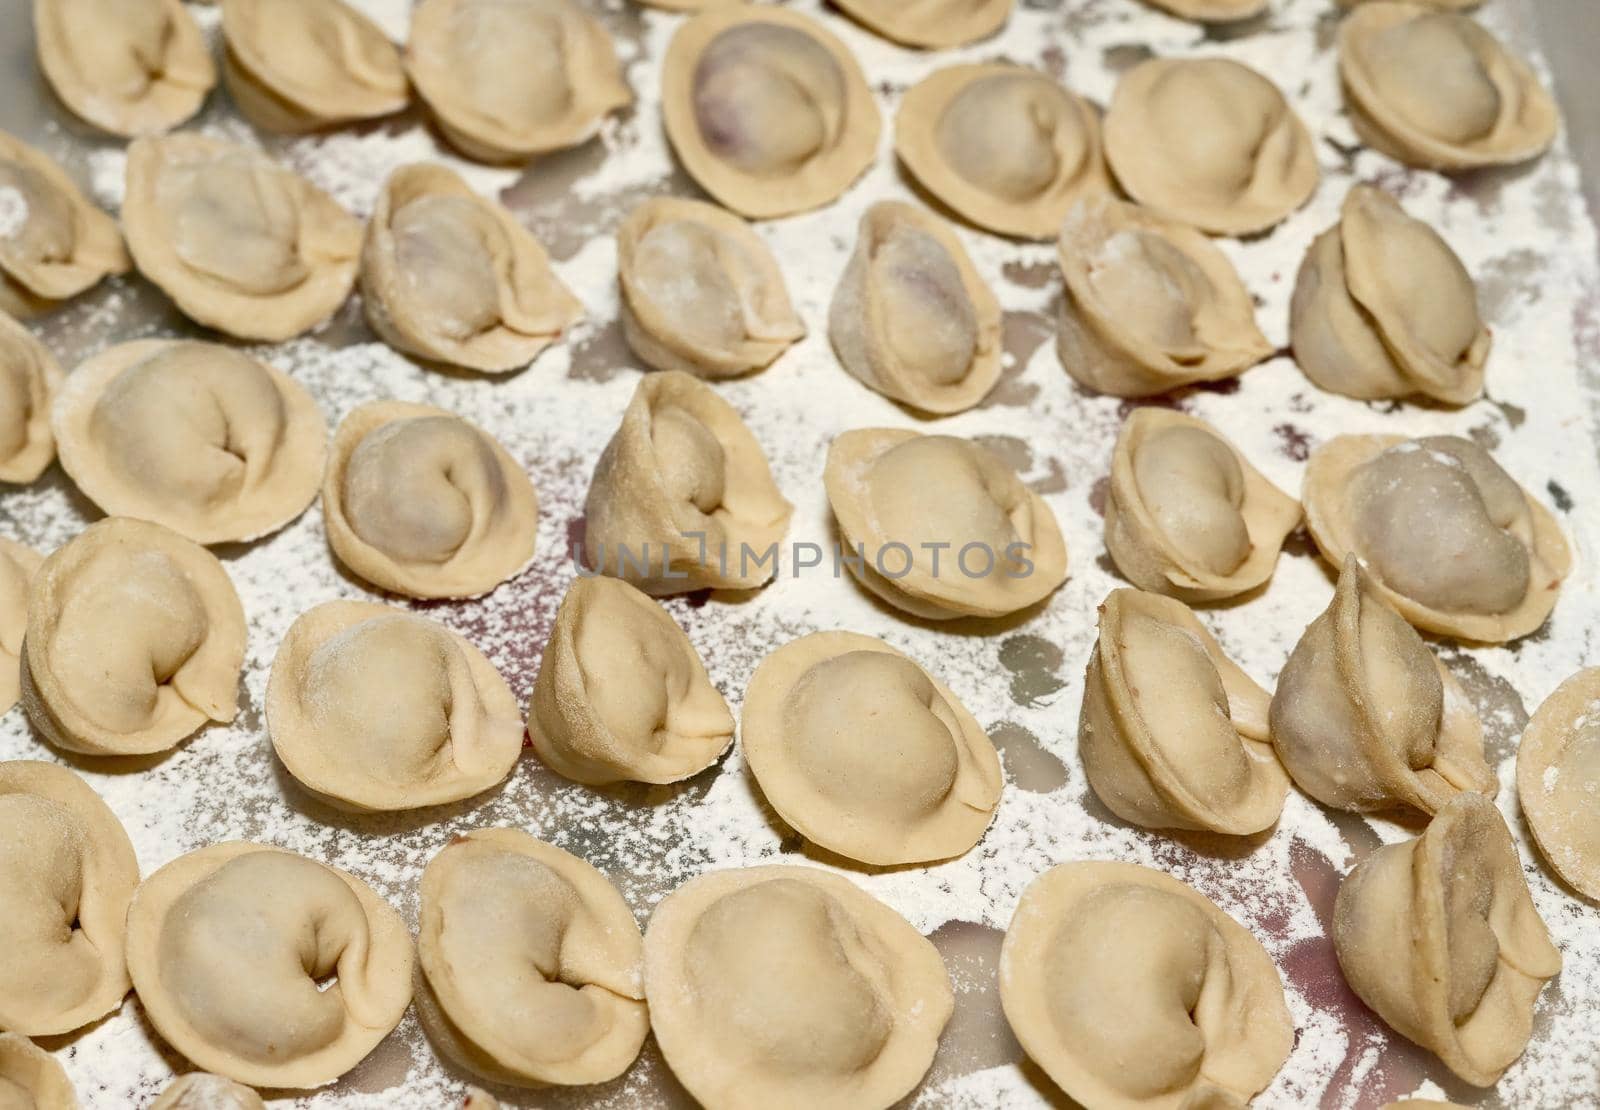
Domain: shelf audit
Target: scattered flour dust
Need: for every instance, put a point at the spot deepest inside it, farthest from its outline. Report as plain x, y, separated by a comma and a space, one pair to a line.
13, 211
1525, 235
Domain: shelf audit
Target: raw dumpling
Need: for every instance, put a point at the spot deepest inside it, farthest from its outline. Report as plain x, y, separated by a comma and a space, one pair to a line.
451, 277
1558, 775
1450, 539
939, 526
767, 110
1384, 308
55, 244
930, 24
199, 437
682, 498
297, 65
1209, 142
1003, 146
200, 1090
18, 565
792, 987
1149, 304
533, 967
31, 1078
29, 380
426, 504
701, 292
130, 67
1212, 11
1172, 733
1134, 991
911, 318
1434, 89
622, 695
68, 872
374, 708
1440, 936
511, 79
267, 967
867, 754
1365, 718
135, 641
1187, 515
238, 242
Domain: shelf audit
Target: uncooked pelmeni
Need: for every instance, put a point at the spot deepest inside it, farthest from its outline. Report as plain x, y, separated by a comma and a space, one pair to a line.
31, 1078
1209, 142
202, 438
1558, 775
62, 243
1149, 304
929, 24
1433, 88
1384, 308
451, 277
532, 964
622, 695
1186, 513
767, 110
701, 291
682, 498
267, 967
1134, 991
1212, 11
69, 872
911, 317
240, 243
135, 641
1449, 538
941, 527
201, 1090
421, 502
1364, 716
129, 67
374, 708
1172, 733
867, 754
1440, 936
18, 565
511, 79
791, 987
29, 380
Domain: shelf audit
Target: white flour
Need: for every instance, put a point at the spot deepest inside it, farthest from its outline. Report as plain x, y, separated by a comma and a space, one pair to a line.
13, 211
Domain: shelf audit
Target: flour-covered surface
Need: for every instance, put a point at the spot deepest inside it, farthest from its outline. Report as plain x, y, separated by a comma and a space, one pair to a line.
1526, 235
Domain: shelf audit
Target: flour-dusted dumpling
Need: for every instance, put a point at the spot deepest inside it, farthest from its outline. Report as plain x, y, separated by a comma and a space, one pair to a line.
867, 754
1213, 11
1384, 308
682, 498
1003, 145
510, 79
622, 695
1210, 142
792, 987
1172, 733
1440, 936
67, 872
1365, 718
31, 1078
200, 1090
54, 243
1149, 304
1134, 991
1449, 538
30, 377
701, 292
930, 24
1186, 513
18, 565
532, 964
265, 966
767, 110
1434, 89
449, 276
374, 708
214, 444
240, 243
1558, 776
297, 65
135, 641
911, 317
942, 526
421, 502
130, 67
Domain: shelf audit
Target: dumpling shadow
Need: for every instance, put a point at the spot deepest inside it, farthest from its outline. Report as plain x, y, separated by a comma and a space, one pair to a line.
308, 803
1212, 845
112, 764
